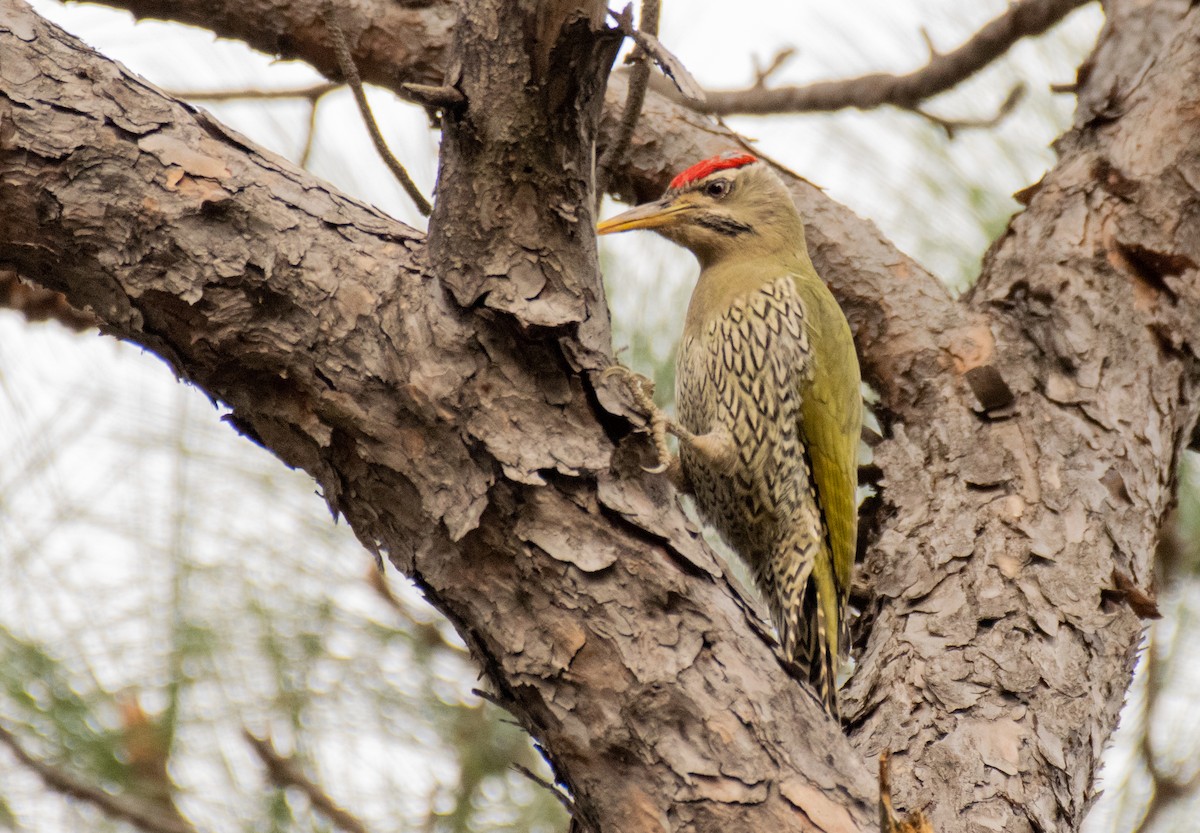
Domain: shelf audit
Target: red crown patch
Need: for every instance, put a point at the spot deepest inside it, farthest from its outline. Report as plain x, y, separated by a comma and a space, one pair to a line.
708, 166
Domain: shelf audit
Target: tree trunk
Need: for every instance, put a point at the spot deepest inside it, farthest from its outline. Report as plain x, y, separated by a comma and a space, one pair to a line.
445, 395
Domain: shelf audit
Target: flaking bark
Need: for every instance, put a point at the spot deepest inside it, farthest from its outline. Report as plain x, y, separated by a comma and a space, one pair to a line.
463, 442
450, 438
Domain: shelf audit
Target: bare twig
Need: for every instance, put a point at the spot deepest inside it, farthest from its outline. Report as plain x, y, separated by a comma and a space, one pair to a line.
750, 147
425, 634
311, 93
430, 95
952, 126
763, 74
639, 77
284, 772
350, 73
310, 134
684, 84
563, 798
943, 71
497, 700
934, 52
121, 808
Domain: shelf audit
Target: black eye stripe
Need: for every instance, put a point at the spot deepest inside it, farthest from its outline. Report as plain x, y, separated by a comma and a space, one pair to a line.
726, 226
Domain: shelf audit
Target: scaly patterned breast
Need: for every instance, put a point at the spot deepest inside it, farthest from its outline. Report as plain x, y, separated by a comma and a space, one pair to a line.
743, 374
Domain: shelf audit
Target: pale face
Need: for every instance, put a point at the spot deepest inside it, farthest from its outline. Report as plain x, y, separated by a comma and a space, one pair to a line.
744, 211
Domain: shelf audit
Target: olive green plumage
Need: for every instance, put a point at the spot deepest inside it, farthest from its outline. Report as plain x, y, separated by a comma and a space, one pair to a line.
768, 400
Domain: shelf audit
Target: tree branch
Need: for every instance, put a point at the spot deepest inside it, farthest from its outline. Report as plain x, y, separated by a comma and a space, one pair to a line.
391, 42
414, 412
1003, 659
315, 319
120, 808
639, 77
905, 318
285, 772
1022, 19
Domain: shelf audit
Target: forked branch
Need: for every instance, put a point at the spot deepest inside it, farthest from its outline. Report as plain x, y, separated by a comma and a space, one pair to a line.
943, 71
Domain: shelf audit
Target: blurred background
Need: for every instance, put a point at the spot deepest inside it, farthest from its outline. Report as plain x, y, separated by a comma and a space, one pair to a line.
167, 587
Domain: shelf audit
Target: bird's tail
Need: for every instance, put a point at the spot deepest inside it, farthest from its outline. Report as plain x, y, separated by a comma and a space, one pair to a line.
805, 607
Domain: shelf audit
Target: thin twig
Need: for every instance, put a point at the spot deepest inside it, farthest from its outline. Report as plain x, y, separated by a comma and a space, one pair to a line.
563, 798
934, 52
312, 93
120, 808
751, 148
682, 80
496, 700
423, 633
284, 772
350, 73
639, 77
952, 126
434, 95
763, 74
943, 71
310, 135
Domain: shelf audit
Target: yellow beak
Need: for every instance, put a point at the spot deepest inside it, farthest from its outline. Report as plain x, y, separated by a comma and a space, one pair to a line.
648, 215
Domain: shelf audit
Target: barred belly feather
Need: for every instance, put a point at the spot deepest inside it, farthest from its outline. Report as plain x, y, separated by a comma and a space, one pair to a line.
743, 374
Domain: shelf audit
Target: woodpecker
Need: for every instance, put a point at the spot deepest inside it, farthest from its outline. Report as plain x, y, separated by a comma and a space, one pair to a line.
768, 400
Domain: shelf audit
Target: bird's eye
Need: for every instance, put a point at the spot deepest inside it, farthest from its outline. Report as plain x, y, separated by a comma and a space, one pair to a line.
717, 188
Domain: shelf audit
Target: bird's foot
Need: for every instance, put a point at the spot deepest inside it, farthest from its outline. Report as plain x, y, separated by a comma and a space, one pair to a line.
658, 423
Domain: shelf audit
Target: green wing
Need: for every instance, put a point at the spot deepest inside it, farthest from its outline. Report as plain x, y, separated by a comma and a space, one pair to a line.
831, 425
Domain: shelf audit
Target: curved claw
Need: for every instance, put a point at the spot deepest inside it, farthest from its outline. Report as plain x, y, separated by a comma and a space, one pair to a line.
657, 422
631, 376
636, 385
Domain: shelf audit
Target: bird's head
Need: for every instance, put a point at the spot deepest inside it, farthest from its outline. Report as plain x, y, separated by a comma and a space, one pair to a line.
730, 205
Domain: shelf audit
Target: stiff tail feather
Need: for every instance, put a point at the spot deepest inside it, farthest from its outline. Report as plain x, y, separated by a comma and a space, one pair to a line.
823, 652
802, 603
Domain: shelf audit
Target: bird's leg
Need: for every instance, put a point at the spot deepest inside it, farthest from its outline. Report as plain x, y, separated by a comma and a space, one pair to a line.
716, 448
